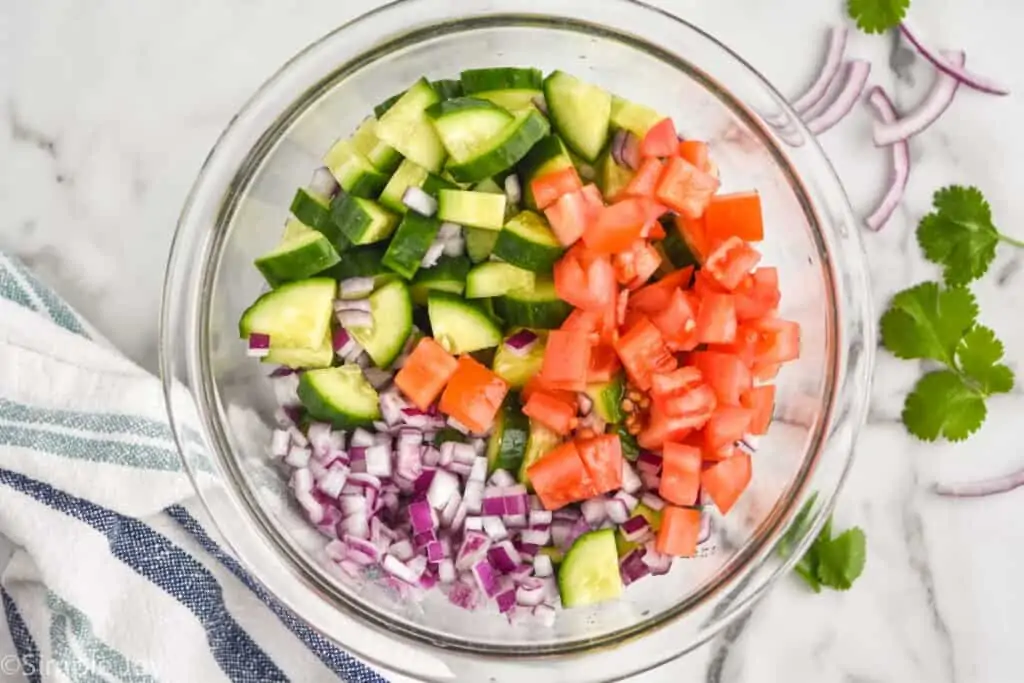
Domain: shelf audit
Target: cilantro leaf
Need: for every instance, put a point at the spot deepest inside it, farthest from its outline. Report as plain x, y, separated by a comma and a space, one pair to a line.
979, 353
959, 234
877, 16
841, 559
942, 404
926, 322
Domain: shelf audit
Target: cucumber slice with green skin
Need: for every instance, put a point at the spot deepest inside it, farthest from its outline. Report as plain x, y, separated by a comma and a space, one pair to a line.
541, 441
502, 151
518, 369
636, 118
461, 326
391, 308
611, 179
406, 128
320, 357
496, 279
383, 156
607, 398
449, 275
341, 396
362, 221
509, 87
675, 249
630, 448
589, 574
294, 229
547, 156
449, 434
479, 243
556, 554
295, 315
506, 446
411, 174
466, 124
528, 242
413, 238
446, 89
298, 258
490, 186
435, 183
538, 308
363, 262
313, 210
353, 171
475, 209
580, 113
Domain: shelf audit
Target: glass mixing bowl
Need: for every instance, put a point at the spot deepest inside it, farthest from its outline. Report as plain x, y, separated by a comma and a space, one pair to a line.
221, 402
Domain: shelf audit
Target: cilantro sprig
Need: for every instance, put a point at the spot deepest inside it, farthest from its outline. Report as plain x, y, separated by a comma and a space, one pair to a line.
927, 322
960, 235
877, 16
834, 562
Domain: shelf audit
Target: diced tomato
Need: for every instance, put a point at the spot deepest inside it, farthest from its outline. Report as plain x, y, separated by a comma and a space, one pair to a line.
536, 383
735, 215
778, 340
566, 360
725, 481
602, 456
654, 297
685, 188
731, 261
691, 408
597, 323
553, 413
586, 280
595, 200
766, 372
677, 322
655, 231
635, 266
695, 152
643, 353
616, 227
548, 188
675, 382
646, 179
661, 428
743, 347
661, 140
716, 319
727, 425
570, 215
473, 395
761, 400
718, 454
604, 363
425, 373
680, 473
679, 531
559, 477
758, 294
726, 373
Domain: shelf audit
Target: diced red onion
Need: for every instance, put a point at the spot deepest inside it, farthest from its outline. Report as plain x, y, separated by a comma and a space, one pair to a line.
578, 529
633, 568
322, 183
594, 511
478, 472
377, 378
648, 462
502, 478
443, 487
542, 566
409, 458
495, 528
298, 456
504, 557
419, 201
259, 345
618, 140
630, 481
336, 551
355, 525
961, 74
514, 521
460, 517
631, 151
486, 579
506, 600
361, 550
433, 255
402, 550
530, 596
366, 481
522, 342
474, 523
317, 469
361, 438
655, 561
513, 189
457, 426
540, 518
356, 287
431, 456
279, 443
474, 496
423, 538
400, 570
546, 615
560, 530
570, 514
463, 453
464, 594
352, 504
616, 510
355, 319
378, 461
635, 528
446, 571
473, 549
856, 78
298, 438
422, 516
536, 536
332, 482
933, 106
447, 515
886, 112
391, 405
985, 487
652, 501
434, 552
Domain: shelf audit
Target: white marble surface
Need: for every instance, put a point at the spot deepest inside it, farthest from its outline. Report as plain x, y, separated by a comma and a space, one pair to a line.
108, 108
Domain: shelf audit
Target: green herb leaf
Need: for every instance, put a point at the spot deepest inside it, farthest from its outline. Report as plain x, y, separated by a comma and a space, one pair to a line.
959, 234
877, 16
979, 354
942, 404
833, 562
927, 322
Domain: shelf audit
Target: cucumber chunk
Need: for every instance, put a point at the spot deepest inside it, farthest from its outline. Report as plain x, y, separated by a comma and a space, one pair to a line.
413, 238
528, 242
515, 368
607, 398
509, 87
496, 279
295, 315
314, 210
475, 209
391, 308
536, 308
406, 128
353, 171
506, 446
541, 441
465, 124
480, 243
636, 118
589, 574
341, 396
410, 174
320, 357
580, 113
460, 326
449, 275
547, 156
676, 250
301, 256
362, 221
363, 262
503, 150
383, 156
446, 90
611, 179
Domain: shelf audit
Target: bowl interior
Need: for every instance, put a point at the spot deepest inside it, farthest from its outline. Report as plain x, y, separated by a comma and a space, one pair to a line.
243, 399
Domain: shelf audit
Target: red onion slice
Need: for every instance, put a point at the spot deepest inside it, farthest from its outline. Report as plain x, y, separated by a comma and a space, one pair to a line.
355, 287
521, 342
926, 113
352, 305
513, 189
355, 319
980, 489
416, 199
259, 345
829, 71
856, 78
885, 111
433, 255
323, 183
971, 80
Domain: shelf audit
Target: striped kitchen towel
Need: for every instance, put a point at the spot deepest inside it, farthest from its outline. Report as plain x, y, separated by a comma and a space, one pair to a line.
116, 576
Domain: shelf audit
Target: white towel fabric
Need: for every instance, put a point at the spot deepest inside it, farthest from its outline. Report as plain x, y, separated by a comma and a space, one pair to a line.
116, 576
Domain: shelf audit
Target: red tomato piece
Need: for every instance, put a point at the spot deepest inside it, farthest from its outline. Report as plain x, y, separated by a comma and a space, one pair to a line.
555, 414
536, 383
685, 188
675, 382
778, 340
661, 140
761, 400
691, 408
566, 359
602, 457
677, 322
680, 473
656, 296
559, 477
766, 372
726, 481
595, 200
735, 215
604, 364
635, 266
425, 373
725, 373
473, 395
586, 280
679, 531
757, 295
716, 319
727, 425
731, 261
643, 353
646, 179
548, 188
616, 227
662, 427
695, 152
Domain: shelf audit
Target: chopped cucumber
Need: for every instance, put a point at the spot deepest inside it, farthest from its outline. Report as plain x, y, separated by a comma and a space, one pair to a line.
413, 238
320, 357
636, 118
528, 242
515, 368
475, 209
507, 443
556, 554
537, 308
449, 275
676, 250
410, 174
489, 185
314, 210
362, 221
612, 179
607, 398
446, 90
461, 326
547, 156
480, 243
465, 124
503, 150
353, 171
541, 441
391, 308
295, 315
341, 396
580, 113
383, 156
301, 256
589, 574
496, 279
509, 87
446, 434
363, 262
406, 128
